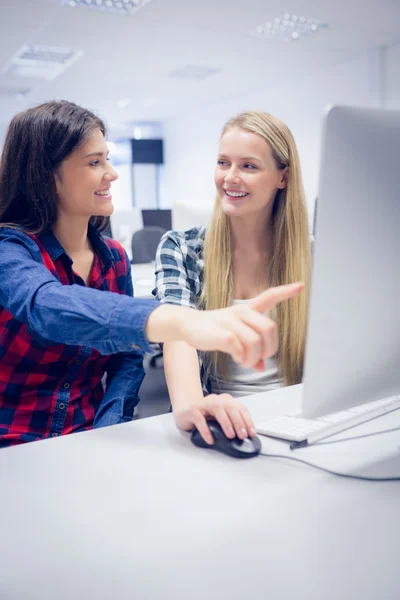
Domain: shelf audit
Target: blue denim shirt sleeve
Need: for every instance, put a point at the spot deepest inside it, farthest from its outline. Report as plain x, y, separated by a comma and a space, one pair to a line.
124, 378
125, 374
73, 315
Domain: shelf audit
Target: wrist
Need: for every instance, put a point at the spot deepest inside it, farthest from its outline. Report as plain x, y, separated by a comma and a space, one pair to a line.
184, 403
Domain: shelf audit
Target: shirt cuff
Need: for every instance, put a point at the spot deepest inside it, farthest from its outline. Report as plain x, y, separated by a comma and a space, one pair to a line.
127, 326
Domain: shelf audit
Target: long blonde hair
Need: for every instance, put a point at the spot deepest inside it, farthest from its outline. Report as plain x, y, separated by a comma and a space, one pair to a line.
291, 253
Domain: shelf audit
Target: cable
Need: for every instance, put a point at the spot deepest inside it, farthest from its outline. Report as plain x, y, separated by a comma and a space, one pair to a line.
349, 476
356, 437
297, 445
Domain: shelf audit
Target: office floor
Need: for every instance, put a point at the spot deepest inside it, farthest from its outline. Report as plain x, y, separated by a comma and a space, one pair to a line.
154, 398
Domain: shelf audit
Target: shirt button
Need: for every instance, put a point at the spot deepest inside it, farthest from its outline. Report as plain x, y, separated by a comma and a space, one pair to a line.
61, 405
78, 362
54, 435
135, 347
66, 386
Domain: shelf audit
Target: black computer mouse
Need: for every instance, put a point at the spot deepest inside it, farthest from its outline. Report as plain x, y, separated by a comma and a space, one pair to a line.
235, 447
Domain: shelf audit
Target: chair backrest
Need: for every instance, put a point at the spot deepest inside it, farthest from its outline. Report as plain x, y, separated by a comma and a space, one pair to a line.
145, 243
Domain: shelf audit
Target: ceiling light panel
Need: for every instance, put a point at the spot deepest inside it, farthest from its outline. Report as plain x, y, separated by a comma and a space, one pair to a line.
41, 62
123, 7
288, 28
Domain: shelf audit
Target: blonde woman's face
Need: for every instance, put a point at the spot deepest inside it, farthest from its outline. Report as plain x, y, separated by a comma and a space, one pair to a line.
246, 176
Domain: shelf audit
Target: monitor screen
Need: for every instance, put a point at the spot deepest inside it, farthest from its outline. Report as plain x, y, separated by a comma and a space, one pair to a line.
147, 152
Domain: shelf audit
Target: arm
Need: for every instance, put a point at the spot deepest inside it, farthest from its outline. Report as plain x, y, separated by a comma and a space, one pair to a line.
77, 315
125, 374
73, 315
181, 363
174, 286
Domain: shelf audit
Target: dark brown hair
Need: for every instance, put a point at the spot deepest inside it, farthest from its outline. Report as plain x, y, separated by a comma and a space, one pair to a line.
37, 142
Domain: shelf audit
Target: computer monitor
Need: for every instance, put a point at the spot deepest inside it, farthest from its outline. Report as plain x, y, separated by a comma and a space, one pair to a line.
353, 337
158, 217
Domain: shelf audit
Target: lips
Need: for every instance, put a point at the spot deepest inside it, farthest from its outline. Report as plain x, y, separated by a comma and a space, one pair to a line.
103, 193
235, 194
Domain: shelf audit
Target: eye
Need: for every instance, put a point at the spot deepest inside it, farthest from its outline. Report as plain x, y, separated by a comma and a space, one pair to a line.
96, 162
249, 166
222, 163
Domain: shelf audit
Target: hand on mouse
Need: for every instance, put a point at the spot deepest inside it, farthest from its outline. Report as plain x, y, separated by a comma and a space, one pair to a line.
231, 414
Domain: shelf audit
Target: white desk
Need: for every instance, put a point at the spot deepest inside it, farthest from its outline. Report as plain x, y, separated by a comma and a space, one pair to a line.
136, 512
143, 279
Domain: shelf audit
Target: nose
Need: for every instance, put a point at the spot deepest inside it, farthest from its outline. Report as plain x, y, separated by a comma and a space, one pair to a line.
111, 174
232, 176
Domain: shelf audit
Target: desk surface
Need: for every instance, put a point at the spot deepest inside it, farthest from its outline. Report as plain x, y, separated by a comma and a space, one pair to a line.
137, 512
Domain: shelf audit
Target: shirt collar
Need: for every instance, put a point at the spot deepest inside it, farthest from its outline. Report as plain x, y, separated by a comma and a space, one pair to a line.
55, 250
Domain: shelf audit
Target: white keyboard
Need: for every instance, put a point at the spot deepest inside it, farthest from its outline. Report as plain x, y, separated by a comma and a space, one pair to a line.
295, 428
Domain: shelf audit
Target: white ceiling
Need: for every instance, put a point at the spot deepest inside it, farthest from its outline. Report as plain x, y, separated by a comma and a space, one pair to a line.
131, 57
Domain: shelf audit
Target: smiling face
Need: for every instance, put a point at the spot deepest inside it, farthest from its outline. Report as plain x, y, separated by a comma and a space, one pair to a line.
84, 178
246, 176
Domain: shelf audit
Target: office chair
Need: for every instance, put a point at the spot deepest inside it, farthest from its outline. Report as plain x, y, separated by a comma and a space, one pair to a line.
145, 243
144, 248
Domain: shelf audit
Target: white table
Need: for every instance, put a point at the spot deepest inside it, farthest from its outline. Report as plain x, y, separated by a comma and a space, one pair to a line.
143, 279
136, 512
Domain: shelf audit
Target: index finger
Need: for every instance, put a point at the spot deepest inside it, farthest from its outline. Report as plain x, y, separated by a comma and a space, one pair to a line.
274, 295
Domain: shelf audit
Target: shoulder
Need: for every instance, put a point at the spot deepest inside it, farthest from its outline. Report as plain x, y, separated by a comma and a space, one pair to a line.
189, 241
15, 234
179, 266
11, 238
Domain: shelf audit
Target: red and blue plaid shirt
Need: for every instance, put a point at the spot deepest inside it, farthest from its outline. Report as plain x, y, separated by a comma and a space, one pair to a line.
59, 337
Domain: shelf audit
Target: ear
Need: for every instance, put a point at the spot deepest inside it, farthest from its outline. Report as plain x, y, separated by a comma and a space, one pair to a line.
58, 178
284, 178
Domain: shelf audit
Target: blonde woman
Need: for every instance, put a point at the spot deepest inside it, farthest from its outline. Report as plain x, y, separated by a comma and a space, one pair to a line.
258, 237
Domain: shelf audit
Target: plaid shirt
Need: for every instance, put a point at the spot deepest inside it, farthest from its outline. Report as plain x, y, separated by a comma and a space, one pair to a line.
179, 274
58, 338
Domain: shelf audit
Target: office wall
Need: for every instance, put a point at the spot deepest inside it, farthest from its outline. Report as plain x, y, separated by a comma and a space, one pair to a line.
191, 139
392, 77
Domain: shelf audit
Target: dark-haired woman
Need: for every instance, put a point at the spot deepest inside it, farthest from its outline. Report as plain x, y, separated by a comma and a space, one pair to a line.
67, 316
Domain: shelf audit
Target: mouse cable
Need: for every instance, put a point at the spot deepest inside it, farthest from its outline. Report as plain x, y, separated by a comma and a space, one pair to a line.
305, 444
348, 475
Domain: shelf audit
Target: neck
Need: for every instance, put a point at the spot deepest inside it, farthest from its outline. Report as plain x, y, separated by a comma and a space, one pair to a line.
251, 235
71, 232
